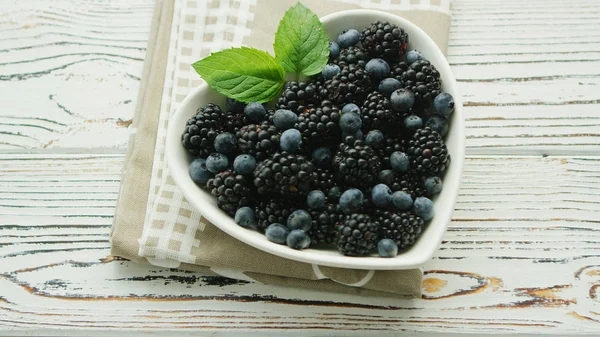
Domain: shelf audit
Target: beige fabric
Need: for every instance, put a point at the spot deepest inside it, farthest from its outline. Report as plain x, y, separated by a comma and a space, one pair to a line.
173, 234
135, 182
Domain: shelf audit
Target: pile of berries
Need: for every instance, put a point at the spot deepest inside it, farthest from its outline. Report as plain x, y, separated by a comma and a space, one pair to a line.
350, 157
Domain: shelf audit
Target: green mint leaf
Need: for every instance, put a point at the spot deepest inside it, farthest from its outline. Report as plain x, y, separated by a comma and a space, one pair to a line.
244, 74
301, 43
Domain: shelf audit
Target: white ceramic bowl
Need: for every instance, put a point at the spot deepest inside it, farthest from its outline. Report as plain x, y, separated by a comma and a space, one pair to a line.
178, 161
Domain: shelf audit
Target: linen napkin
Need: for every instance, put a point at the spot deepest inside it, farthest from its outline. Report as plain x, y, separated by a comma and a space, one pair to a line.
153, 221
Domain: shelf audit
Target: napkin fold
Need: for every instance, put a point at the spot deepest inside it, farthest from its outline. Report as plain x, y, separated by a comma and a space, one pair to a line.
153, 222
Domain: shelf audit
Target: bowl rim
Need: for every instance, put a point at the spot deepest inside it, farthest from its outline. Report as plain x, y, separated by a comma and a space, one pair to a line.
312, 256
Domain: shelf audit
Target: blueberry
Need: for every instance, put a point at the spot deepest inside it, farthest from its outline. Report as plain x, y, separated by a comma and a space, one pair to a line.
334, 50
348, 38
334, 194
378, 68
299, 219
277, 233
245, 218
255, 112
198, 171
389, 85
217, 162
413, 56
225, 143
413, 122
387, 248
439, 124
284, 119
443, 104
402, 100
433, 185
235, 106
423, 207
386, 177
402, 200
351, 107
298, 239
244, 164
399, 161
350, 122
290, 140
329, 71
374, 139
381, 196
351, 200
322, 156
315, 199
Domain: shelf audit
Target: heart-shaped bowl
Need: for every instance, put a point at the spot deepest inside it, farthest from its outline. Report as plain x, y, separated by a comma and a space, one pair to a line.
179, 159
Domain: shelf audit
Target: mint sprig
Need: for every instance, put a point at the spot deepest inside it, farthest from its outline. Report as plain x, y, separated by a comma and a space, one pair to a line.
301, 43
251, 75
244, 74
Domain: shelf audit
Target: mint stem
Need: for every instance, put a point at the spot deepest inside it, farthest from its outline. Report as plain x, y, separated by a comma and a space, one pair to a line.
297, 76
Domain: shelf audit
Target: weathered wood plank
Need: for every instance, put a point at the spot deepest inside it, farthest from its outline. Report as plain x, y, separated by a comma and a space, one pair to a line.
543, 227
78, 66
522, 260
501, 56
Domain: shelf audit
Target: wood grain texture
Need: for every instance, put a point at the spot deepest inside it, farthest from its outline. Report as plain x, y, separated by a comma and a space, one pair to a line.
524, 260
529, 75
543, 57
520, 256
69, 72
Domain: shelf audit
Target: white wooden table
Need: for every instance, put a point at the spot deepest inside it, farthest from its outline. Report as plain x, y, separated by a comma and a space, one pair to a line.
522, 254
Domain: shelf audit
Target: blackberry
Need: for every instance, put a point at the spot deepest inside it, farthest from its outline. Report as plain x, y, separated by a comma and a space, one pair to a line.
202, 129
384, 40
403, 228
427, 152
286, 174
275, 210
357, 235
233, 121
323, 180
376, 113
319, 126
390, 145
351, 85
356, 165
423, 80
397, 70
298, 96
352, 55
410, 182
258, 140
324, 224
231, 190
